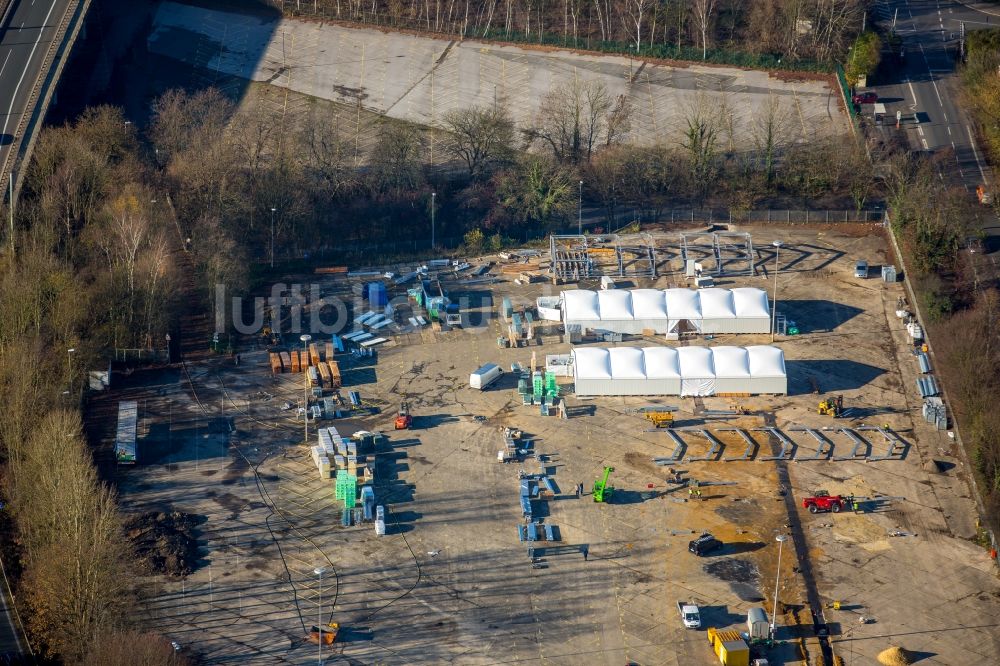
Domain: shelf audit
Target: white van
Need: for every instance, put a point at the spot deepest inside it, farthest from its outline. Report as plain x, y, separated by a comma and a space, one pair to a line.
485, 376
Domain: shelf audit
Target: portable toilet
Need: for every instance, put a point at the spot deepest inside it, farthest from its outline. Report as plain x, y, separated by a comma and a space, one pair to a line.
757, 626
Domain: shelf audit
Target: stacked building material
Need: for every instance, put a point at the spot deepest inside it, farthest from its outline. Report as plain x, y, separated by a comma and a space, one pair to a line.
324, 373
314, 354
329, 352
275, 360
295, 362
335, 380
286, 360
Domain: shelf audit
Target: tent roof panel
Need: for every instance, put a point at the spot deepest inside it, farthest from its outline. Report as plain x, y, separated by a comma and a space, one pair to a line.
626, 363
683, 304
615, 304
717, 304
766, 361
591, 363
750, 302
649, 304
731, 362
695, 362
581, 304
661, 363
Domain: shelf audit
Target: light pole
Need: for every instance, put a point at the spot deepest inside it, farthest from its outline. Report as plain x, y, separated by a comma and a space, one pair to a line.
579, 211
273, 211
774, 297
319, 616
433, 202
777, 576
305, 338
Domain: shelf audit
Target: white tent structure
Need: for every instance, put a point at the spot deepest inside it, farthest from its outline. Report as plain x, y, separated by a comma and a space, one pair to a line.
743, 310
685, 371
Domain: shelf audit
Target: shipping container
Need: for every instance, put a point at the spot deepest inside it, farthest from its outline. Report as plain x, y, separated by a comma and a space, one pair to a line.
275, 359
314, 354
286, 361
295, 362
335, 381
125, 444
329, 352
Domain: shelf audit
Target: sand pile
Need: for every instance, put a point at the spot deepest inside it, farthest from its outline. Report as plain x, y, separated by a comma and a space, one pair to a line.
895, 656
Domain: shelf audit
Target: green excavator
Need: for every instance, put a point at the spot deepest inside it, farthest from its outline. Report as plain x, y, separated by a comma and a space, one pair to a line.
602, 491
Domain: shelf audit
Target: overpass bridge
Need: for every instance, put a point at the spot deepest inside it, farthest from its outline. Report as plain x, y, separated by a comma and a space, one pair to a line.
36, 37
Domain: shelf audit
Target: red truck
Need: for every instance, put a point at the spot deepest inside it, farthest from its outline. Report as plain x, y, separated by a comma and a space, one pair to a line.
824, 501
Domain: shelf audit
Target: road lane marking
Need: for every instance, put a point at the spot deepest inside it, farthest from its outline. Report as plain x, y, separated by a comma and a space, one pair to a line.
924, 142
920, 131
975, 152
949, 129
5, 62
27, 64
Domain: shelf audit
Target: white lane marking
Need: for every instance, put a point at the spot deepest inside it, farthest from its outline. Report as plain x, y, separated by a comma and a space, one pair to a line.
945, 116
27, 64
924, 141
5, 62
22, 27
972, 142
913, 94
920, 131
949, 130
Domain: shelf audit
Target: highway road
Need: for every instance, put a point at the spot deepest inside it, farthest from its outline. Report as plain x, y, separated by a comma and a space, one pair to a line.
925, 88
28, 27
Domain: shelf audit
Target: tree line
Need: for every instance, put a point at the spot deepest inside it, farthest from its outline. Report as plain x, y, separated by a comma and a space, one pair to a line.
793, 30
89, 267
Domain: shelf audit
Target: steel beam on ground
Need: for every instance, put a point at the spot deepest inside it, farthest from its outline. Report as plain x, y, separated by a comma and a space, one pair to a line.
858, 441
825, 450
787, 445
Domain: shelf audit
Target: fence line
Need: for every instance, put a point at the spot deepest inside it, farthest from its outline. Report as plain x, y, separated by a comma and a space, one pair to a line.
600, 226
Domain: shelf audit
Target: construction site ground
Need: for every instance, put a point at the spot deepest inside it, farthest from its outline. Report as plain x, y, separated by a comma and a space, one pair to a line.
451, 583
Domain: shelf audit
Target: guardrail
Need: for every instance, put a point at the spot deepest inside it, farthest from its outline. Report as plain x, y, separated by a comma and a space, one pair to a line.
42, 89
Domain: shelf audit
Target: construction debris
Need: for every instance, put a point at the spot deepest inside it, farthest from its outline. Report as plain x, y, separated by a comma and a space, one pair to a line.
895, 656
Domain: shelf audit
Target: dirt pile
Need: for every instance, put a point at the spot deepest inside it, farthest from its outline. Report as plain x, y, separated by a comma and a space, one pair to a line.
164, 543
895, 656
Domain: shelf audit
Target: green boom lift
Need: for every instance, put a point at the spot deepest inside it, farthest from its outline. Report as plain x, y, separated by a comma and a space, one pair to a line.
602, 491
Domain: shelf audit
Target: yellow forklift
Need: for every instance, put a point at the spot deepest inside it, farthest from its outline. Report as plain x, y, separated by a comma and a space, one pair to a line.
831, 406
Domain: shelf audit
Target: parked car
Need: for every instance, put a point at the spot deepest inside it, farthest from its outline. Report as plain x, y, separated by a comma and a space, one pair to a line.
706, 543
867, 97
861, 269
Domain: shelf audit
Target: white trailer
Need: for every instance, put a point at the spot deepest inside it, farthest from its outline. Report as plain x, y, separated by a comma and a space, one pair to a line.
485, 376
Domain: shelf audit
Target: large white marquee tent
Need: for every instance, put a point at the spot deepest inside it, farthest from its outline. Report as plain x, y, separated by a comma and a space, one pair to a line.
742, 310
685, 371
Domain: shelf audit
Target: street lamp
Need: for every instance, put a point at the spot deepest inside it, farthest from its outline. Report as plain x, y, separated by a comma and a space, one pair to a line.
319, 571
777, 576
579, 211
433, 202
273, 211
774, 297
305, 338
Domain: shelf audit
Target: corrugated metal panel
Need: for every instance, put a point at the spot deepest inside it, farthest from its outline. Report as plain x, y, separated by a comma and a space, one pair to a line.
927, 386
924, 362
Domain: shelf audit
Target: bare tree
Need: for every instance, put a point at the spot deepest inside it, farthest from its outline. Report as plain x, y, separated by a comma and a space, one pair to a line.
704, 19
619, 122
572, 117
395, 159
769, 131
700, 140
482, 137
